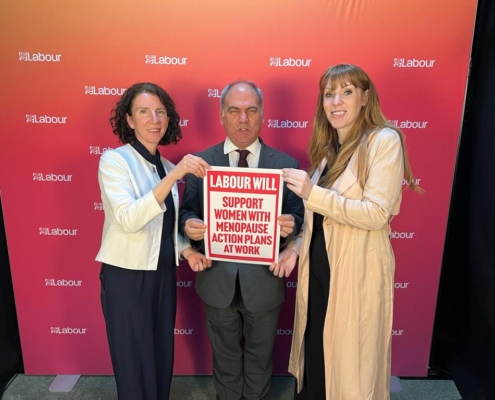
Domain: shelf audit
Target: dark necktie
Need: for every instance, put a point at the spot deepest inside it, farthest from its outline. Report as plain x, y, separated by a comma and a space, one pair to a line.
243, 158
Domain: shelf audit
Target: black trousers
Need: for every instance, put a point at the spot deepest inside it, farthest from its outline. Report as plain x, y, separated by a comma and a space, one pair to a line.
319, 290
241, 372
139, 309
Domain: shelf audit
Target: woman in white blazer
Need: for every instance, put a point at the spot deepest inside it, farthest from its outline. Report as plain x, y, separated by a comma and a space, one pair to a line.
140, 245
341, 347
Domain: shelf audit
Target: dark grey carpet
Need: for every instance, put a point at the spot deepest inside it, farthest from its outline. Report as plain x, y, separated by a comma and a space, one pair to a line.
199, 388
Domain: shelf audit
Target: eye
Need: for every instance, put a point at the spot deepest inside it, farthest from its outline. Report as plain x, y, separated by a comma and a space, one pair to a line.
347, 92
162, 112
252, 111
328, 94
143, 111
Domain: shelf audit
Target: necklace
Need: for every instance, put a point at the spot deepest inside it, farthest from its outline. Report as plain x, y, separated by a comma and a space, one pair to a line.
337, 147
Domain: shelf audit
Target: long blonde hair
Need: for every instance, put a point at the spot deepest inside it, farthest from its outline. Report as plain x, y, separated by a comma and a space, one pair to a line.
324, 139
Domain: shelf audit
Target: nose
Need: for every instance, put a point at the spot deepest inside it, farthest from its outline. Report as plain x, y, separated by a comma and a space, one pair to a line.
337, 99
153, 116
243, 117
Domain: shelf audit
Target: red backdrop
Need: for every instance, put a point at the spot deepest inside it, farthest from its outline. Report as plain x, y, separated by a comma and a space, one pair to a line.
64, 66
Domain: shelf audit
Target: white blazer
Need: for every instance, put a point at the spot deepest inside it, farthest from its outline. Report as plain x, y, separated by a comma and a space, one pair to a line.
133, 218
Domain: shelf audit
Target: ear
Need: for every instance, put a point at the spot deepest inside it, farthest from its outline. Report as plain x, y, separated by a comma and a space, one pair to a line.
222, 115
365, 97
128, 118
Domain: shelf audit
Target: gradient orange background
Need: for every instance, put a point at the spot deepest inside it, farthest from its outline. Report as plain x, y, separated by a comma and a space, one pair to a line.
105, 43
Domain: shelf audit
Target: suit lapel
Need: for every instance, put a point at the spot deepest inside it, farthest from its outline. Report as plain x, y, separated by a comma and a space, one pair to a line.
220, 159
267, 160
348, 177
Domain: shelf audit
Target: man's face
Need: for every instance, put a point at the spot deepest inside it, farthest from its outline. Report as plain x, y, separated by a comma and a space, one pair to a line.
242, 116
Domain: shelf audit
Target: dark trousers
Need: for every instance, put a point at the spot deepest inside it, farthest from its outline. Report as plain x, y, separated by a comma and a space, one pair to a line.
319, 290
139, 309
241, 372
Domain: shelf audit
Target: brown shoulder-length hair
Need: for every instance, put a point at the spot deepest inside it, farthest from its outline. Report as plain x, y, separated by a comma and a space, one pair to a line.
118, 118
324, 139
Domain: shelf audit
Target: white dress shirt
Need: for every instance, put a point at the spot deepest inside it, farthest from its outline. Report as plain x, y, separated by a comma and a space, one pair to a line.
253, 157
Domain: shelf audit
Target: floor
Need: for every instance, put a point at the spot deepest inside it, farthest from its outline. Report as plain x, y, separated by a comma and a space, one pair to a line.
24, 387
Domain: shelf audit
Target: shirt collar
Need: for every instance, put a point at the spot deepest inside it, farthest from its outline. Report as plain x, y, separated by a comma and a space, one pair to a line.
254, 148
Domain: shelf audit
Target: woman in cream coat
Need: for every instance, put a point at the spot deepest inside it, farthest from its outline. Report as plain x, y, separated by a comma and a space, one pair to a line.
140, 245
341, 347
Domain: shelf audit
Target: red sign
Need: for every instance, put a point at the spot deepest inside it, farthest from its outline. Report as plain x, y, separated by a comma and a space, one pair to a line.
241, 210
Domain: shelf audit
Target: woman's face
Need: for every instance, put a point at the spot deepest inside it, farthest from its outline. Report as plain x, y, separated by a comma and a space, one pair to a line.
149, 120
342, 106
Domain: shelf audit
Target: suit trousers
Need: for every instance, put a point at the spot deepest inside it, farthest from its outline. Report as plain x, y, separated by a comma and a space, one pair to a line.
241, 370
139, 309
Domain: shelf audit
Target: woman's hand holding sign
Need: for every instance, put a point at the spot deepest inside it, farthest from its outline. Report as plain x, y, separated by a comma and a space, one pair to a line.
298, 181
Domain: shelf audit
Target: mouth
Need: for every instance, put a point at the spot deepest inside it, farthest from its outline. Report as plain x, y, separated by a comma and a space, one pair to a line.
338, 113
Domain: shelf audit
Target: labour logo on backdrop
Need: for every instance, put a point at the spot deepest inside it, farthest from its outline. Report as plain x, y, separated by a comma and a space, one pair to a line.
409, 124
214, 93
44, 231
281, 124
416, 181
182, 284
401, 235
103, 91
57, 330
183, 123
397, 332
183, 331
98, 206
45, 119
97, 150
289, 62
63, 282
39, 176
401, 285
39, 57
413, 63
164, 60
284, 332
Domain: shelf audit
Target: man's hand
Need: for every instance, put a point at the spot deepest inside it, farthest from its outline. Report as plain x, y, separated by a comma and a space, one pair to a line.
195, 229
287, 223
197, 261
286, 263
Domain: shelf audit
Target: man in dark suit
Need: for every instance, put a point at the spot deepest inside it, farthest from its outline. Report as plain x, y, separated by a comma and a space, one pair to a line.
241, 300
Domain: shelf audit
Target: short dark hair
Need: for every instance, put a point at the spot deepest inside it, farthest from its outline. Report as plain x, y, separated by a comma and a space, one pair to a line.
118, 119
229, 86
